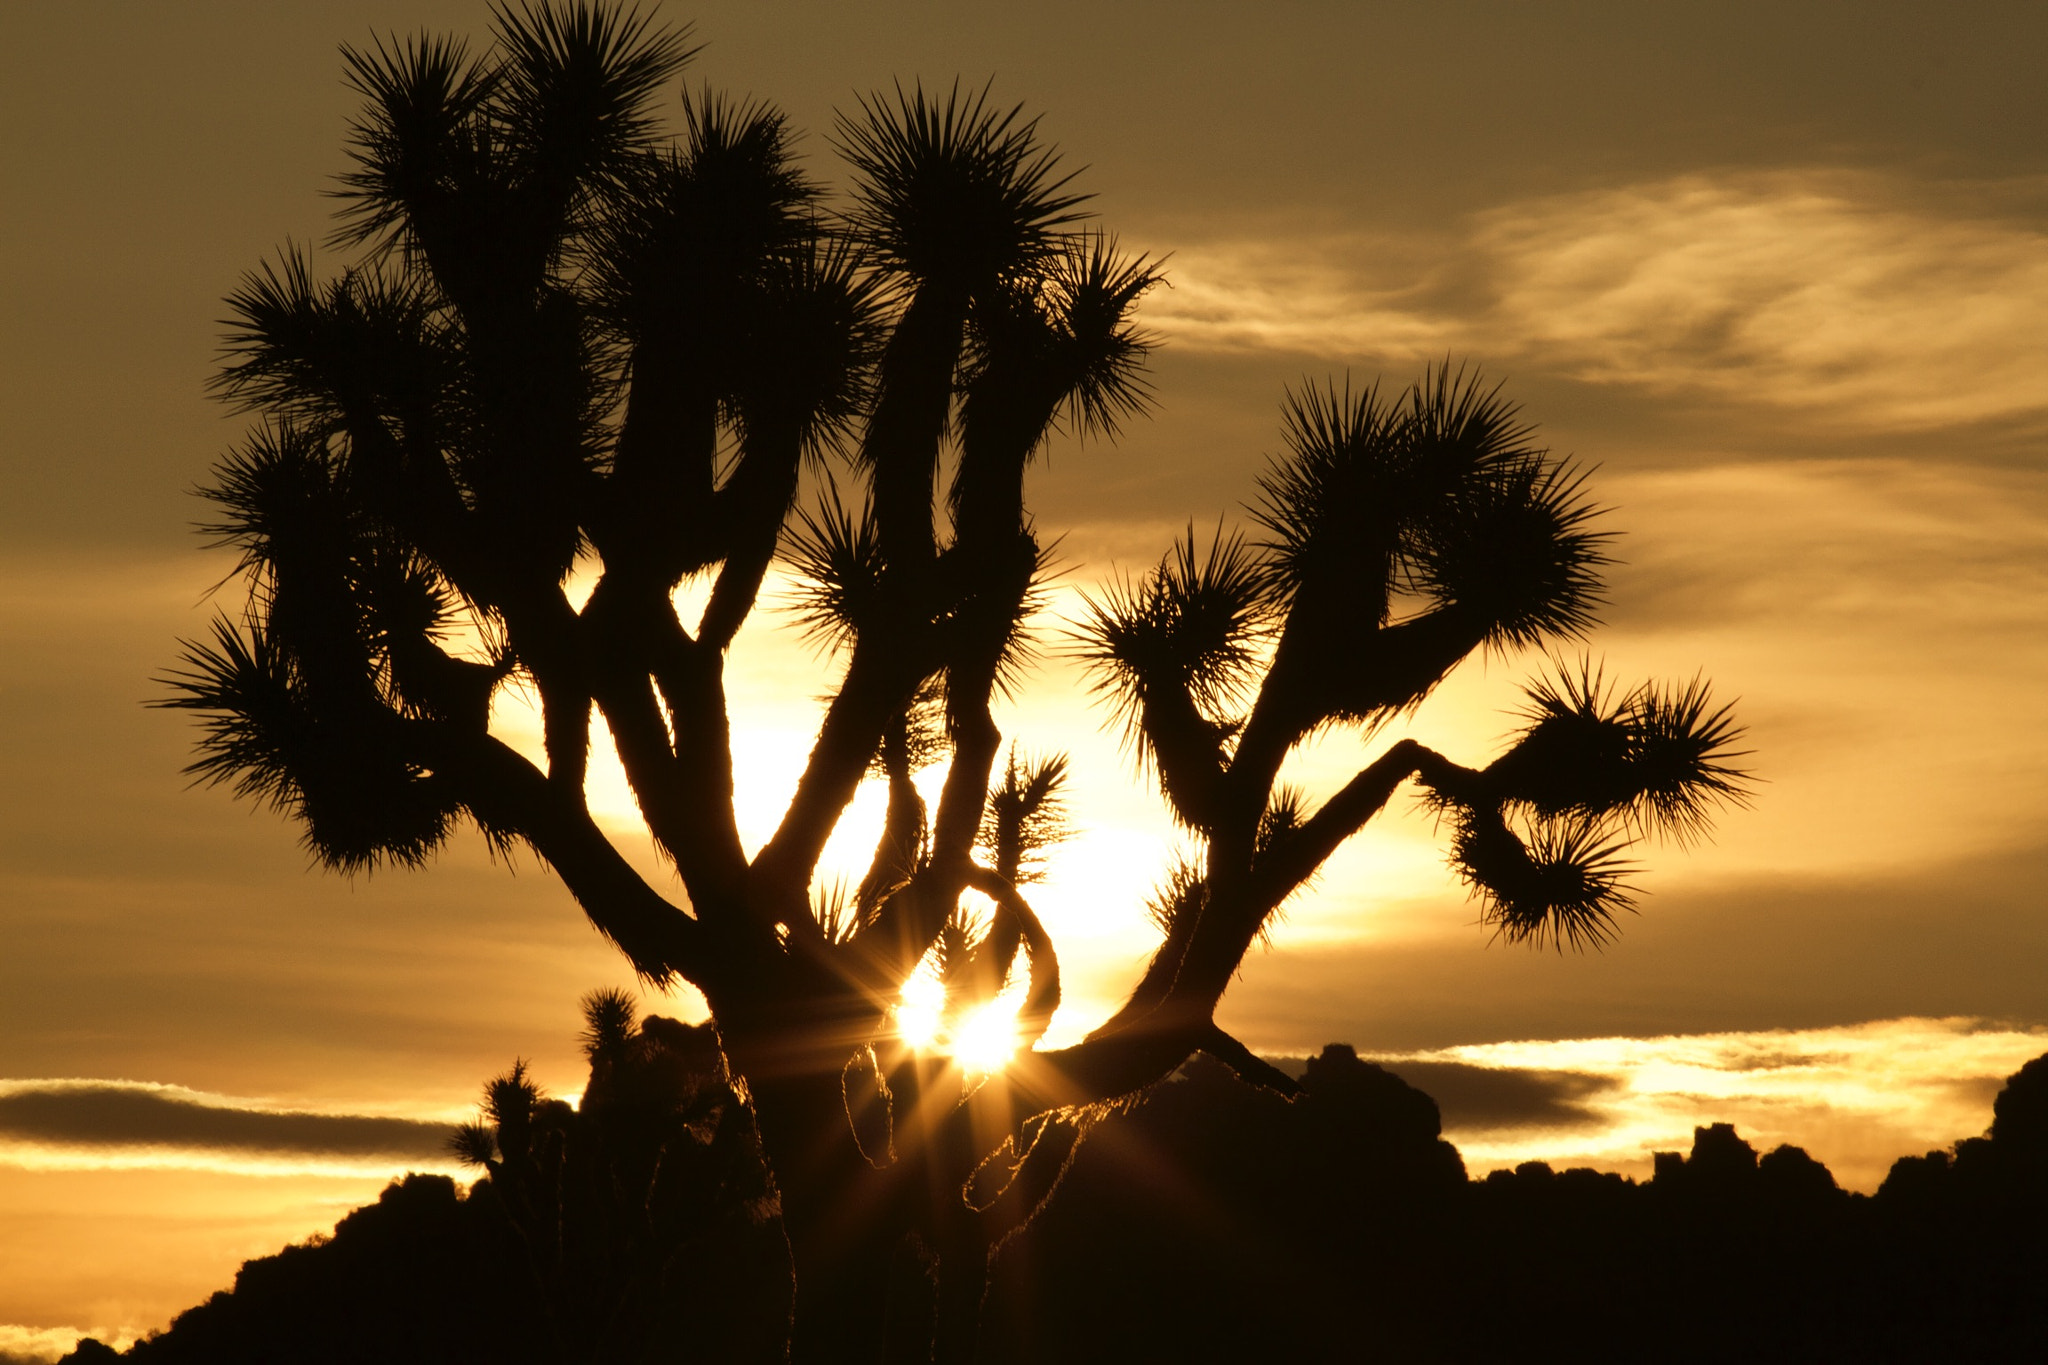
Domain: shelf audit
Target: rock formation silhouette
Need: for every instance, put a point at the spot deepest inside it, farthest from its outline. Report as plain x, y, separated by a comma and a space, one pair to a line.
1208, 1220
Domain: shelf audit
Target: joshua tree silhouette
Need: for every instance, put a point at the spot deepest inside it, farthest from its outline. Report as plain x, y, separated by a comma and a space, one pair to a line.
569, 341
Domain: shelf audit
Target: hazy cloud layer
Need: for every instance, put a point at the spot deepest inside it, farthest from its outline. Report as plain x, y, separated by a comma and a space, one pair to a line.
1835, 294
97, 1114
1795, 289
35, 1345
1857, 1097
1713, 956
1881, 549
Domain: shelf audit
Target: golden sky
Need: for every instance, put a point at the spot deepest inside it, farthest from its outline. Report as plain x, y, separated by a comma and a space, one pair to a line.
1779, 270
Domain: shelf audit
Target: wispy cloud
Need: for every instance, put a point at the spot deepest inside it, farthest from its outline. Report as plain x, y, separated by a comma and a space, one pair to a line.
1793, 289
1827, 292
101, 1124
1320, 294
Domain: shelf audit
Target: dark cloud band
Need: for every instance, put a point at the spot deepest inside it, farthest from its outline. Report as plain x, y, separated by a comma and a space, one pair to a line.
1484, 1098
1478, 1098
115, 1115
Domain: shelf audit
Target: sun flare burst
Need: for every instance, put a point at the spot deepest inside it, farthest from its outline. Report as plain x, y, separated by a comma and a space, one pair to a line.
921, 1011
979, 1041
986, 1039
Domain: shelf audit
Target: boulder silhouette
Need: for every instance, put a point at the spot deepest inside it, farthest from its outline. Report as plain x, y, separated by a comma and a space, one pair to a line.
2019, 1124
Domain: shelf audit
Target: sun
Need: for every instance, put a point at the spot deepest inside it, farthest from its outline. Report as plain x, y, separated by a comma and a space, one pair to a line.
986, 1039
921, 1012
980, 1042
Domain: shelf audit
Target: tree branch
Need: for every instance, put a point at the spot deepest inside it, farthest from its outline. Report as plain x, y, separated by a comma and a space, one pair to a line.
879, 680
751, 505
1296, 857
658, 498
1250, 1068
686, 801
901, 444
1043, 997
1325, 669
508, 793
1189, 752
1241, 900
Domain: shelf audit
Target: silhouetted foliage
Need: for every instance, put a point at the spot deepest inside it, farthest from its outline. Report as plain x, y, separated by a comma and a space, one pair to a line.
647, 1216
571, 346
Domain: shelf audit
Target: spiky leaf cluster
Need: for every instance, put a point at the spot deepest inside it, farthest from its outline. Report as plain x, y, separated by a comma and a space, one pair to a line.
1434, 503
509, 1103
1026, 816
1658, 759
473, 1144
836, 912
714, 257
1562, 885
1285, 812
1541, 832
1063, 337
608, 1025
1191, 628
954, 192
489, 167
837, 559
305, 705
954, 952
331, 760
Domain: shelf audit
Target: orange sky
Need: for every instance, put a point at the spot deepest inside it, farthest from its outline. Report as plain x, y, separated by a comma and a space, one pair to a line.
1780, 271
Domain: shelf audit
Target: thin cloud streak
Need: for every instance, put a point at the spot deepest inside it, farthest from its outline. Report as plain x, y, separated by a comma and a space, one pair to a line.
38, 1157
1819, 292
